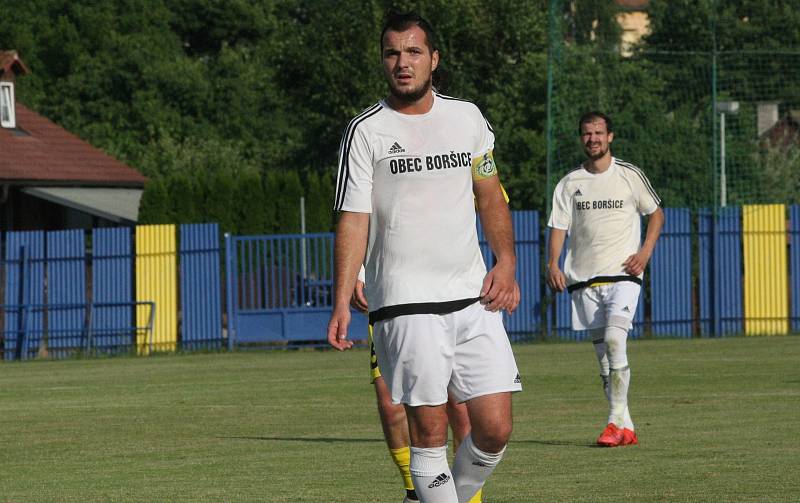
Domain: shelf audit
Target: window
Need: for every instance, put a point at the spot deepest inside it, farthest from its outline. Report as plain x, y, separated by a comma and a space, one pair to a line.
7, 117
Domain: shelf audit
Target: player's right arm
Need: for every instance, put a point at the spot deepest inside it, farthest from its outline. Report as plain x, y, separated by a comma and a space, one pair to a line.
560, 220
349, 248
555, 277
354, 205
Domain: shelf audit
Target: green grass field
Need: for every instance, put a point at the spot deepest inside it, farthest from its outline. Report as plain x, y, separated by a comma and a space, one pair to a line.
718, 420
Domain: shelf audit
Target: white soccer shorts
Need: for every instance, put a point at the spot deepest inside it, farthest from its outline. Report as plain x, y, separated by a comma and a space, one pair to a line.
422, 356
594, 306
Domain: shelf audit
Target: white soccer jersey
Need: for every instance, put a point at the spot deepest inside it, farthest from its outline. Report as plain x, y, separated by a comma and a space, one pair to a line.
413, 174
601, 213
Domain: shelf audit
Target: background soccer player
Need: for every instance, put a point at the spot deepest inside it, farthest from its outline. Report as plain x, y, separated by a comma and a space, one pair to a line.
409, 166
599, 204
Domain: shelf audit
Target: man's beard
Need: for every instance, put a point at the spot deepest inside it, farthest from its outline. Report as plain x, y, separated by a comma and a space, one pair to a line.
594, 157
412, 95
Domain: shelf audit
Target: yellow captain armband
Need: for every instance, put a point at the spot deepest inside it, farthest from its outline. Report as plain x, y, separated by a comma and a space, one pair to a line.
483, 167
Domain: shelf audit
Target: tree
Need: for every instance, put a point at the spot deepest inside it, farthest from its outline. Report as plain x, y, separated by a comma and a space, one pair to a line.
154, 205
218, 194
184, 200
288, 202
319, 201
250, 203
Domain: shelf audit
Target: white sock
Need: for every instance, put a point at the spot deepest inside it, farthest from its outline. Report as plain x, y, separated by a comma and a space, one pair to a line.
620, 376
432, 478
618, 403
472, 467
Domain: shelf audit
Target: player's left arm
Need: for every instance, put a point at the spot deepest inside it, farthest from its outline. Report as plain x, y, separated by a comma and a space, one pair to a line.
636, 263
500, 289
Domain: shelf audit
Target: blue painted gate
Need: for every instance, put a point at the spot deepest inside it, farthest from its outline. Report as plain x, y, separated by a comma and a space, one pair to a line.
280, 290
280, 287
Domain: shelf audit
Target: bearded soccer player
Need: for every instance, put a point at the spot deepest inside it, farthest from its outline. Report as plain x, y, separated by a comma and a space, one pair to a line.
599, 204
409, 166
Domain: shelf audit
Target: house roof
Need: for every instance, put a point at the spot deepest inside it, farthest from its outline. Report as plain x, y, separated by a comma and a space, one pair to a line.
9, 61
39, 152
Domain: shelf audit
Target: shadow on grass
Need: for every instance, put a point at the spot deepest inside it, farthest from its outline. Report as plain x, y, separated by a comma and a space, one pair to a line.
308, 439
572, 443
380, 440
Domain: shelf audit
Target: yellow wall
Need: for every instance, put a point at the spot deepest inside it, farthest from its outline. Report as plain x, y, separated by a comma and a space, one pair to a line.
766, 302
156, 281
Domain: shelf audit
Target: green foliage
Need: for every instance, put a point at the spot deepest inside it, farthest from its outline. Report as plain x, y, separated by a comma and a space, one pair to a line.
662, 96
219, 91
201, 86
219, 190
272, 188
693, 25
319, 210
251, 204
184, 200
287, 202
155, 206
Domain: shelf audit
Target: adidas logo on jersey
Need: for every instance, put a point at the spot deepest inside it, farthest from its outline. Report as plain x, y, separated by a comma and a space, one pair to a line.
626, 309
440, 480
577, 193
518, 379
396, 149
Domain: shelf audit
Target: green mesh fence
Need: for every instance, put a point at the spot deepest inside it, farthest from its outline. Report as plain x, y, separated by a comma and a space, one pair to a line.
745, 150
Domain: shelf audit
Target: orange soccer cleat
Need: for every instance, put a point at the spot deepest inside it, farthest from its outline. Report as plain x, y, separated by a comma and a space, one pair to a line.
629, 437
612, 436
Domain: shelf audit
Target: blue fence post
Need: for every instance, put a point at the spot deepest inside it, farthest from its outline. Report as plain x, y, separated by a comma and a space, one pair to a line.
22, 303
794, 265
200, 286
66, 287
671, 276
113, 320
230, 285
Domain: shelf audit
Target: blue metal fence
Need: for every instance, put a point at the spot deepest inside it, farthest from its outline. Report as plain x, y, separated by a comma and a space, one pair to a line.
66, 284
112, 285
794, 267
526, 320
720, 279
61, 300
24, 287
200, 286
671, 276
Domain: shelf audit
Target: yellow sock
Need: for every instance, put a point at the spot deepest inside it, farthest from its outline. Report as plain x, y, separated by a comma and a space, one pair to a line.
402, 457
477, 497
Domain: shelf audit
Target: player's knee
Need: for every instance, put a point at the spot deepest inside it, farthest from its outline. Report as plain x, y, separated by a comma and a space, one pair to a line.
619, 322
616, 342
492, 439
429, 437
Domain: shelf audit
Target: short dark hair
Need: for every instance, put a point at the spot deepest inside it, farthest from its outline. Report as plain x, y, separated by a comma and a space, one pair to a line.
401, 21
591, 117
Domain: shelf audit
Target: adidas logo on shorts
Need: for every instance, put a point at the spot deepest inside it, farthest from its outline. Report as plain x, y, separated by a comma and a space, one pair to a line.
517, 380
440, 480
626, 309
396, 149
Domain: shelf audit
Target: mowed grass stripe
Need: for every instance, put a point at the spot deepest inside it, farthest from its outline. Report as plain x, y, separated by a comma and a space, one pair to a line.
717, 420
